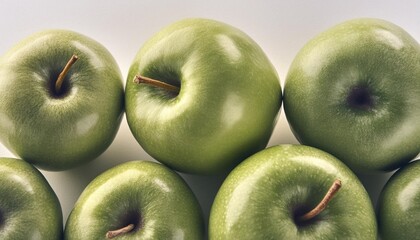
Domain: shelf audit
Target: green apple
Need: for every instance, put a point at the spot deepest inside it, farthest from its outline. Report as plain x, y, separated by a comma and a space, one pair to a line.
204, 96
399, 204
56, 112
354, 90
29, 208
292, 192
136, 200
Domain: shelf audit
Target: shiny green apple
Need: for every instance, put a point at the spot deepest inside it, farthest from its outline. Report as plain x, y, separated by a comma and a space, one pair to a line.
58, 124
354, 90
218, 103
136, 200
399, 204
29, 208
271, 195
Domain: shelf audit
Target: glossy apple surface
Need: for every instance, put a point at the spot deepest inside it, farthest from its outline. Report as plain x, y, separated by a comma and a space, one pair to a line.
267, 194
353, 92
153, 198
57, 130
226, 106
29, 208
399, 204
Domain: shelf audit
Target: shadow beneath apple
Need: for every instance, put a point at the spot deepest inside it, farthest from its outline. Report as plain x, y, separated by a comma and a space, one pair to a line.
205, 189
374, 184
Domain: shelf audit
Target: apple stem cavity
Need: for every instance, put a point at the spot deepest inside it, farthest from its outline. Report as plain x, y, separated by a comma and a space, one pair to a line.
118, 232
142, 79
324, 202
360, 98
63, 73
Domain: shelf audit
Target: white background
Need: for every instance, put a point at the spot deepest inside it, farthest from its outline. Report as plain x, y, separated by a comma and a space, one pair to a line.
280, 27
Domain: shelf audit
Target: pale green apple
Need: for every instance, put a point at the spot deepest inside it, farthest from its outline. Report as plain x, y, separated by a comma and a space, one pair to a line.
399, 204
354, 90
53, 127
29, 208
136, 200
223, 103
268, 195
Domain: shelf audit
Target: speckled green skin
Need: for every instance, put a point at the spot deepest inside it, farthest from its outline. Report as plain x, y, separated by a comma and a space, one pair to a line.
59, 133
167, 207
399, 205
227, 106
259, 198
369, 53
29, 208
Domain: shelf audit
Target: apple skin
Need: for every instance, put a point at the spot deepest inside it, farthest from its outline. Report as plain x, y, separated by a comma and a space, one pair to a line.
29, 208
353, 91
59, 131
399, 204
151, 196
262, 197
228, 101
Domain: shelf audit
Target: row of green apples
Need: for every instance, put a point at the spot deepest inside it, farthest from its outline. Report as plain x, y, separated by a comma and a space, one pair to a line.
278, 193
201, 97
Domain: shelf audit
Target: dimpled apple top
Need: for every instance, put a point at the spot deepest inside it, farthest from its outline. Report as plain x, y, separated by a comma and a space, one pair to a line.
29, 208
399, 204
56, 130
354, 90
153, 198
265, 196
227, 104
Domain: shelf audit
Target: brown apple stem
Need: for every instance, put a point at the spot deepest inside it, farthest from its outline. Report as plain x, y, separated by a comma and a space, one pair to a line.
63, 73
142, 79
324, 202
118, 232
